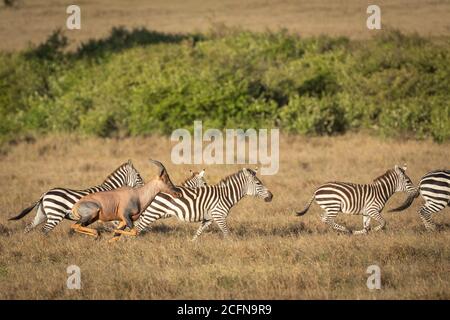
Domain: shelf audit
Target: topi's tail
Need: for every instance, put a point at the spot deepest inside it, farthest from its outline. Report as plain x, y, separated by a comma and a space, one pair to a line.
408, 201
26, 210
300, 213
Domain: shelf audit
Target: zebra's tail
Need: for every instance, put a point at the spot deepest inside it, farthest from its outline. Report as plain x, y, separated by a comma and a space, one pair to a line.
26, 210
408, 201
301, 213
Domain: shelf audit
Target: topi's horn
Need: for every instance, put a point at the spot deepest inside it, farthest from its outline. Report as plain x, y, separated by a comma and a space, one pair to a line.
160, 166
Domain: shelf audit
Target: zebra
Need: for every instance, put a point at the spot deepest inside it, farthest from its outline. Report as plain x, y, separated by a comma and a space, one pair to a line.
434, 187
196, 180
54, 204
366, 199
206, 204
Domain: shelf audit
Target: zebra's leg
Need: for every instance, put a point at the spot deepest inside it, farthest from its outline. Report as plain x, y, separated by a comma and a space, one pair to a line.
366, 226
222, 223
205, 224
375, 215
329, 216
146, 220
425, 215
38, 219
52, 221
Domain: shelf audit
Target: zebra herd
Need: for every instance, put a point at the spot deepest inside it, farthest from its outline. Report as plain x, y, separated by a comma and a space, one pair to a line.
200, 202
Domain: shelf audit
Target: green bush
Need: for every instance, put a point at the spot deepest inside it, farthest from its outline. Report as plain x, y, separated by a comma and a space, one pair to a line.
141, 82
312, 115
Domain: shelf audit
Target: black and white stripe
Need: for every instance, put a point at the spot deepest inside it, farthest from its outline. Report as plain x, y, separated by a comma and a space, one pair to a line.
366, 199
53, 205
434, 188
205, 204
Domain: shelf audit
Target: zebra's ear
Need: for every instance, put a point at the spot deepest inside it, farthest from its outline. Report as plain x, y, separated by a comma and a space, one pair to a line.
245, 171
202, 173
256, 169
129, 162
400, 170
404, 167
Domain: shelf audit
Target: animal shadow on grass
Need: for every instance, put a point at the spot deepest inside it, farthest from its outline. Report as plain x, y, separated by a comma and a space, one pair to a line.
249, 230
163, 229
440, 227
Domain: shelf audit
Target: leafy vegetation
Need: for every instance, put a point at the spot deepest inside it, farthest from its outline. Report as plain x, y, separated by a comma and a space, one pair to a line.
140, 82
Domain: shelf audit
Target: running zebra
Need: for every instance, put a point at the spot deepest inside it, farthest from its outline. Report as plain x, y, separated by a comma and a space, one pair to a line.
206, 204
54, 204
366, 199
434, 188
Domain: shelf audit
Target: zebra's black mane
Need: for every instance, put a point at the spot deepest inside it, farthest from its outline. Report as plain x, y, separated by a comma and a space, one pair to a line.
383, 175
235, 174
119, 167
191, 177
223, 180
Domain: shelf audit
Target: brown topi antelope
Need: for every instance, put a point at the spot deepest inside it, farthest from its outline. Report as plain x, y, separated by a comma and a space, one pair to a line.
124, 204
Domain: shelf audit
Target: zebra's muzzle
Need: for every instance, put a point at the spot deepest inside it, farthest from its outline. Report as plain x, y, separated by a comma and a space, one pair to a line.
269, 197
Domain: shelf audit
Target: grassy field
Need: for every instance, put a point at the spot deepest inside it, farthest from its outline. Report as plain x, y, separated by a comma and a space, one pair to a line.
272, 253
33, 21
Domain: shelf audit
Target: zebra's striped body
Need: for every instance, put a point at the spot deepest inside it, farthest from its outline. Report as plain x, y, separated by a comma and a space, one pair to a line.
205, 204
434, 188
53, 205
365, 199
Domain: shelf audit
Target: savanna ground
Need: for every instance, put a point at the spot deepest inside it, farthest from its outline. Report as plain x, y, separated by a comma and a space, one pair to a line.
33, 21
272, 253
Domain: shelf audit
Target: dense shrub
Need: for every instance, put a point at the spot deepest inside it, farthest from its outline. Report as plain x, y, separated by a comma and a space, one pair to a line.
138, 82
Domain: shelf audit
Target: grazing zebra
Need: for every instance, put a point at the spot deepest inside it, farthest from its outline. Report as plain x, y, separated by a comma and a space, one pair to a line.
434, 188
206, 204
54, 204
366, 199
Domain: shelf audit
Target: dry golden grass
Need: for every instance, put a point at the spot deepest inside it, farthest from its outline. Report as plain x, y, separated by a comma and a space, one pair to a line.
33, 21
272, 253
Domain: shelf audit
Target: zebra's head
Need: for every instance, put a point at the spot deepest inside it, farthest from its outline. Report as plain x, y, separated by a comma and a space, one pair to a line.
255, 187
132, 176
196, 180
404, 183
